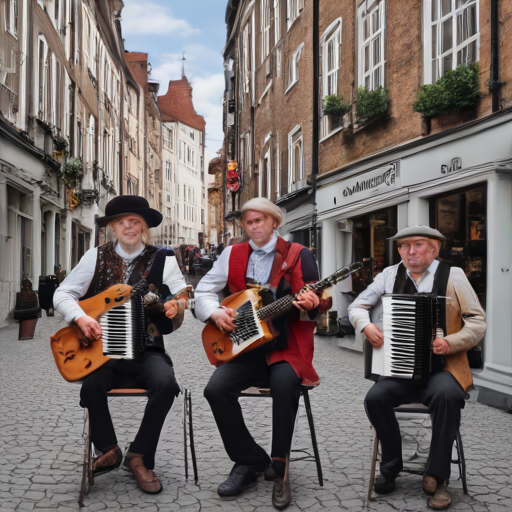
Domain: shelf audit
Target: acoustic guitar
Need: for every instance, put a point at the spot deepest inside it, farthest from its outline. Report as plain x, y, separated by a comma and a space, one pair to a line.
252, 323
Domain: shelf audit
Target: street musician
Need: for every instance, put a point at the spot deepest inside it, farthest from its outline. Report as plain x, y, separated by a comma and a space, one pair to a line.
283, 365
444, 387
128, 259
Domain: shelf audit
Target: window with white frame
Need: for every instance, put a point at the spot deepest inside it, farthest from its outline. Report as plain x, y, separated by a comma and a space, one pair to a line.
293, 10
11, 17
371, 21
277, 21
293, 67
266, 22
330, 45
295, 156
265, 175
452, 35
168, 170
245, 60
168, 138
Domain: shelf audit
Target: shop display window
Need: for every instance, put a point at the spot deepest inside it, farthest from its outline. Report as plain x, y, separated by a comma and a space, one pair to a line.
461, 218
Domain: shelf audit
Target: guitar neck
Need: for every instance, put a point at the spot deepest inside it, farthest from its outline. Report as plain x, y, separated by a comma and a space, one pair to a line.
281, 306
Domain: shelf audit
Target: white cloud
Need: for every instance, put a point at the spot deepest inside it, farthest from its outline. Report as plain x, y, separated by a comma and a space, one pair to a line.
147, 18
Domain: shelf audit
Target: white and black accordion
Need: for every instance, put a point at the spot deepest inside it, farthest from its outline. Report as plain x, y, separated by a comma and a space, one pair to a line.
124, 330
409, 324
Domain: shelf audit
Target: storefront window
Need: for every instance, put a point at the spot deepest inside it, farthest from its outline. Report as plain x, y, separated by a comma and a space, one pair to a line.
461, 218
371, 246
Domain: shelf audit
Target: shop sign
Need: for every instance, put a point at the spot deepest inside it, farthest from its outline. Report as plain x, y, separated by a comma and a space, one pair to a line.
369, 184
456, 165
387, 178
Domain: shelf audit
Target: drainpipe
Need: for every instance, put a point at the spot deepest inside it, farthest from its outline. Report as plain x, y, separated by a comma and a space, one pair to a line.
494, 83
315, 131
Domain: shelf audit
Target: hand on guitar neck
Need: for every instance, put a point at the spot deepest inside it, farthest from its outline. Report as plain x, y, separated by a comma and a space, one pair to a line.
307, 301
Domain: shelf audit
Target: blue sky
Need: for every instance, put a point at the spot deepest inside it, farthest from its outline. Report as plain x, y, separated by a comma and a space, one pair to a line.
165, 29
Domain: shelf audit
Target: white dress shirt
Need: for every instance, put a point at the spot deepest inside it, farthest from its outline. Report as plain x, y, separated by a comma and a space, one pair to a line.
359, 310
206, 294
77, 283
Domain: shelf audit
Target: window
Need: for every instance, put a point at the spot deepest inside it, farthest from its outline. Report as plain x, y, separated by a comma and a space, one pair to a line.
296, 170
168, 170
293, 67
168, 138
11, 17
330, 44
265, 177
451, 35
294, 8
245, 60
371, 23
266, 21
277, 21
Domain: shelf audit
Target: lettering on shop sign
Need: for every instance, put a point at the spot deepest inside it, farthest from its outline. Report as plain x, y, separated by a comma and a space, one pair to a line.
456, 165
386, 178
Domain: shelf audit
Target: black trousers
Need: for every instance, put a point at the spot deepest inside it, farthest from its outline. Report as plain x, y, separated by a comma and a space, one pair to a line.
445, 398
155, 374
223, 391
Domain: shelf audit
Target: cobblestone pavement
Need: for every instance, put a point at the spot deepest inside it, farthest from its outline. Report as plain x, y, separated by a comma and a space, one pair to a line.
42, 447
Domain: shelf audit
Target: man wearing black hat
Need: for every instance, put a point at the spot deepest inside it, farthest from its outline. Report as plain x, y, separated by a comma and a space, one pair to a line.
129, 259
444, 390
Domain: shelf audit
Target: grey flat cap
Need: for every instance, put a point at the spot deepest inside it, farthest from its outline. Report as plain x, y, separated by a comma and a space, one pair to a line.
419, 231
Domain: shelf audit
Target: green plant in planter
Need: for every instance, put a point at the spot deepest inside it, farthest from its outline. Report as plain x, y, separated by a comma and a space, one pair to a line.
370, 104
458, 89
333, 105
71, 172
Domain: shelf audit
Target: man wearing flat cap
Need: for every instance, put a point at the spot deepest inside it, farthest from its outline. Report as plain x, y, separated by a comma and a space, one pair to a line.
132, 260
445, 388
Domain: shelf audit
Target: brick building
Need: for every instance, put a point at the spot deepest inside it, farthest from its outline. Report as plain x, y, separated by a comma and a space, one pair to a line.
382, 165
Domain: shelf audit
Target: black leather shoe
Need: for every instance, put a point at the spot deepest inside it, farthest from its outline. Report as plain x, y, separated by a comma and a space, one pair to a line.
383, 486
240, 479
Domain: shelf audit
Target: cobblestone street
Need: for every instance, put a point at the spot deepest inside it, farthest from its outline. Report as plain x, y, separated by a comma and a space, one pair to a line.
42, 446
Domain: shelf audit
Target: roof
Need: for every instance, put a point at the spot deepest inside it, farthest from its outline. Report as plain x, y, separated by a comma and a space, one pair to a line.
176, 105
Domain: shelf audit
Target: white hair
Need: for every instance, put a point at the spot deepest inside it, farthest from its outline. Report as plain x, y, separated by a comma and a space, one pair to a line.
262, 204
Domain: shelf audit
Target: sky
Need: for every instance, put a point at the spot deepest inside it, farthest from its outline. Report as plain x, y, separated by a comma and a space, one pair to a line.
164, 29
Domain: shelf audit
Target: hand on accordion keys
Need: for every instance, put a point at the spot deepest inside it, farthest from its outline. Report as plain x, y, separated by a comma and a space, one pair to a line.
374, 335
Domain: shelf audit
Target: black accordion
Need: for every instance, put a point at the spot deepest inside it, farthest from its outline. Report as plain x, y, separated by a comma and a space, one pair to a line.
124, 330
410, 324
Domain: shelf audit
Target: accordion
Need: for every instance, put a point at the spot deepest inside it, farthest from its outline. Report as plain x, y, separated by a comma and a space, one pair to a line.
409, 324
124, 330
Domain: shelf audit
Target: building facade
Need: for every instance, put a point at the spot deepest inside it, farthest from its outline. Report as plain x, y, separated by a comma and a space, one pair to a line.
71, 128
382, 164
184, 189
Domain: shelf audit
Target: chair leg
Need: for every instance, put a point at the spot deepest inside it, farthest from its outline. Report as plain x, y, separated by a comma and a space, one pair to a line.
313, 436
87, 476
185, 414
191, 435
374, 464
461, 461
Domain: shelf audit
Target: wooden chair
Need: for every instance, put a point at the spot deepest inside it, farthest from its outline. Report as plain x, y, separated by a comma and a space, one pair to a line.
419, 466
87, 473
257, 392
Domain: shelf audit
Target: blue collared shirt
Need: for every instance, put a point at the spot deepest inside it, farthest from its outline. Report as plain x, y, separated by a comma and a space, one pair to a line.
261, 259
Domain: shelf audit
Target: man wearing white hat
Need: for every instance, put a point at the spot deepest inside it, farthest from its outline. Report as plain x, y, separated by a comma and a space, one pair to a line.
442, 391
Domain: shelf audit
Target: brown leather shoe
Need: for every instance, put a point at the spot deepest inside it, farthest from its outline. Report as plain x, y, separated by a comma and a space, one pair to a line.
109, 461
146, 479
429, 485
281, 495
441, 499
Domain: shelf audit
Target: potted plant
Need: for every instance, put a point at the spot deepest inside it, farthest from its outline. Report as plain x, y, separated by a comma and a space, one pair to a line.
333, 105
71, 172
370, 104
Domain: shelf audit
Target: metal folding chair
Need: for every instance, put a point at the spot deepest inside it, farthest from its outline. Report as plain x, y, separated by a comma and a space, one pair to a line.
264, 393
419, 466
87, 473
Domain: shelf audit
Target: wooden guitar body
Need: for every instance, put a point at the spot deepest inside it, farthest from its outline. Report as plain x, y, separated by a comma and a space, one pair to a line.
73, 360
218, 346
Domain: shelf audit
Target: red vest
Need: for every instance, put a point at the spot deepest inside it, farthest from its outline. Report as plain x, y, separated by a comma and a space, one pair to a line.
287, 265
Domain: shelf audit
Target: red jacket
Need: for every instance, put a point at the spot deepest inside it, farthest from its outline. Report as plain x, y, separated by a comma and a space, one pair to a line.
287, 265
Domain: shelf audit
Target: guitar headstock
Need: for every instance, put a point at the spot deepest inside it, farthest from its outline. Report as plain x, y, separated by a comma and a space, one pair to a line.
338, 276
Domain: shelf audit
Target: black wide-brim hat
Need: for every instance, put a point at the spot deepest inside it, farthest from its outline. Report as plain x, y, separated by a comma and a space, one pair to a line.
130, 205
